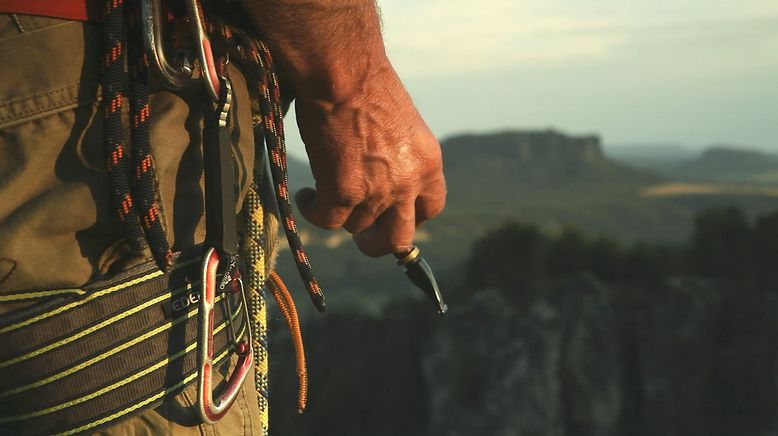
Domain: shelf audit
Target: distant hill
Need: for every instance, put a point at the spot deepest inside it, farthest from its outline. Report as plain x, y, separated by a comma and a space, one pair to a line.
541, 176
651, 156
544, 159
718, 163
539, 158
507, 170
728, 164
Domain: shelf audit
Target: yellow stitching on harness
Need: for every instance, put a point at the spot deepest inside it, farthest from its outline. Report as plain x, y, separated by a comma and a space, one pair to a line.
110, 353
121, 382
148, 400
39, 294
94, 296
94, 328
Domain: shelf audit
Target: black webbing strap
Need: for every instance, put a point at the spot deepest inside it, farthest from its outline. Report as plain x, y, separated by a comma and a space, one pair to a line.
84, 360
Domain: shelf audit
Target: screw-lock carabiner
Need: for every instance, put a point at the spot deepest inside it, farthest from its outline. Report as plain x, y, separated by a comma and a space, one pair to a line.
176, 72
212, 410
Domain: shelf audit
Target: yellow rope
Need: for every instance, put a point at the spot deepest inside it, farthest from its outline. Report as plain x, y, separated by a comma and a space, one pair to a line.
254, 245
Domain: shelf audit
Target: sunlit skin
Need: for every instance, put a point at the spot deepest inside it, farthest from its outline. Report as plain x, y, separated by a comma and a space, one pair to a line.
377, 165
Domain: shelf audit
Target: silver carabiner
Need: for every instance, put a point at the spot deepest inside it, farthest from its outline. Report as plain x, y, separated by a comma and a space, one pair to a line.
177, 73
213, 410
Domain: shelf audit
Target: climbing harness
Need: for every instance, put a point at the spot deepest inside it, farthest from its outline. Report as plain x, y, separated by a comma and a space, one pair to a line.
221, 230
81, 359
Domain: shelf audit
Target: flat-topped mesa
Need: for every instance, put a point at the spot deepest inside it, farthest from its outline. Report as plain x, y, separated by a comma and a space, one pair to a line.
527, 146
739, 154
532, 160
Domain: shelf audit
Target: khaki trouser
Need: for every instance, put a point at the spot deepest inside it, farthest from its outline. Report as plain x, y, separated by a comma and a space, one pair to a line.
57, 225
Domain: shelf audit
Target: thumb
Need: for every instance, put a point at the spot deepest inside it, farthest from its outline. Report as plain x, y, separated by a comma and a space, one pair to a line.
305, 198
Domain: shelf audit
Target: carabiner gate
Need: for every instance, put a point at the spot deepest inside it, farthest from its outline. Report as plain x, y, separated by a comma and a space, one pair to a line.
204, 49
212, 410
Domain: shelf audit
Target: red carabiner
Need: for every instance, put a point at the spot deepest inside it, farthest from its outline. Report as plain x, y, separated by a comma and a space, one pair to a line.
210, 410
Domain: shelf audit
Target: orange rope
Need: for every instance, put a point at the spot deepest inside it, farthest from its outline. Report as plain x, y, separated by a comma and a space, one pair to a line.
288, 309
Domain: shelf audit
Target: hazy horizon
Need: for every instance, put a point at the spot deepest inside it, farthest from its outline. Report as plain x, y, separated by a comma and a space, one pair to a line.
693, 73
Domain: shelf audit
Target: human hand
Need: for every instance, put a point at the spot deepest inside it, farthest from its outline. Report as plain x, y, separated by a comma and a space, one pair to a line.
377, 166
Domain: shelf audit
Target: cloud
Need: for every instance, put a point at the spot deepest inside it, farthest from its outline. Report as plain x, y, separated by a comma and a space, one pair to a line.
443, 38
436, 37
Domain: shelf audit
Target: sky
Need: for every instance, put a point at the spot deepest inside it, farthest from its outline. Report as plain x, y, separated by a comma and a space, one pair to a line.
690, 72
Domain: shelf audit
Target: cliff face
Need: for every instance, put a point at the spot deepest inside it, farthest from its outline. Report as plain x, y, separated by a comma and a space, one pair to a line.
551, 368
527, 146
578, 359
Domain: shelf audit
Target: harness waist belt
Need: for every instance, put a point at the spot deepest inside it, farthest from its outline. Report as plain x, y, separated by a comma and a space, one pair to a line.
86, 358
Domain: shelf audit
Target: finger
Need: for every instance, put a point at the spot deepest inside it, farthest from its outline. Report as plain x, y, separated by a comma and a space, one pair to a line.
429, 206
430, 203
363, 216
319, 212
392, 232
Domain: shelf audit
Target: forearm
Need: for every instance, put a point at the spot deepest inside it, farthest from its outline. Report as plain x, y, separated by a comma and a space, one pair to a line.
328, 48
377, 165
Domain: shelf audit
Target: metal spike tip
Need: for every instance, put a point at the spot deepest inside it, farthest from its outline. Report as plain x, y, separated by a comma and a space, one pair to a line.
420, 273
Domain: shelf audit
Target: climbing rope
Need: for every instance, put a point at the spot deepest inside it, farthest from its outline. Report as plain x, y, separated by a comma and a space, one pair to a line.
254, 253
144, 190
114, 85
268, 128
136, 198
272, 120
136, 202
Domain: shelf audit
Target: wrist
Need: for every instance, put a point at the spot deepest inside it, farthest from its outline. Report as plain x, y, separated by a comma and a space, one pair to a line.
327, 48
340, 77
